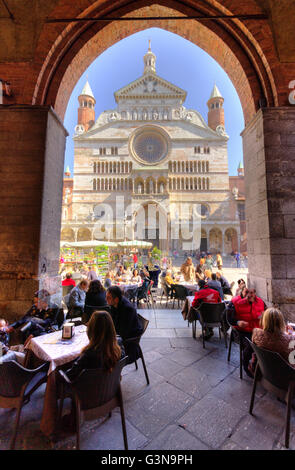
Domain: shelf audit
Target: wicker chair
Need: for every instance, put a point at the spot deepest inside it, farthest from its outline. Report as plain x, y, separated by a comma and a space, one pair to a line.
277, 377
96, 393
136, 342
16, 387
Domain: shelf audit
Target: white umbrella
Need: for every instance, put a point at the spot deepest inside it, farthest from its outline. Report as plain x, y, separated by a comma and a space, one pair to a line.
139, 243
87, 244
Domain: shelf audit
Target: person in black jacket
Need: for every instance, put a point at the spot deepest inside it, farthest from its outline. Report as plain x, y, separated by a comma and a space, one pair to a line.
39, 318
125, 319
95, 297
104, 349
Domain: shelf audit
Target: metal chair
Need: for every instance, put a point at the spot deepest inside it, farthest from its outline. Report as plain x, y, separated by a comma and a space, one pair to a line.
142, 293
89, 309
179, 293
135, 341
166, 291
277, 377
96, 393
237, 337
211, 316
16, 387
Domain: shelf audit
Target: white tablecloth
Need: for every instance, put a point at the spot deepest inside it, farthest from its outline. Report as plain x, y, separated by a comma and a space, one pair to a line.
191, 287
52, 348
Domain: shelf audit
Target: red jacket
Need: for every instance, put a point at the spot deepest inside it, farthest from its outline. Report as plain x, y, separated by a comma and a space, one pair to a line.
68, 282
249, 313
208, 295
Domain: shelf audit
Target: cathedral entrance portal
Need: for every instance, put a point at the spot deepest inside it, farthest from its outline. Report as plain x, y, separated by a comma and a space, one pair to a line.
151, 225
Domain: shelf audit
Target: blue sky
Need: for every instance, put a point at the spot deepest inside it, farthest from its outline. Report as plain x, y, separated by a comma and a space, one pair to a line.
179, 61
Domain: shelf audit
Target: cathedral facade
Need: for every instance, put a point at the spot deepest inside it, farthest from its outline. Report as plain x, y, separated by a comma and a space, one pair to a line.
153, 170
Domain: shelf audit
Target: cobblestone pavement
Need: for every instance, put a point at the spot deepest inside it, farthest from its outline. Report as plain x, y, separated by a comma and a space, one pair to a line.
195, 400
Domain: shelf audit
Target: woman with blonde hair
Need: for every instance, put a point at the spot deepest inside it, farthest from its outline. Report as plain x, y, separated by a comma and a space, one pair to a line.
273, 333
103, 350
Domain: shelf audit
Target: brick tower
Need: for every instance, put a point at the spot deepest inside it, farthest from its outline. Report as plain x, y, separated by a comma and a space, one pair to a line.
216, 111
86, 112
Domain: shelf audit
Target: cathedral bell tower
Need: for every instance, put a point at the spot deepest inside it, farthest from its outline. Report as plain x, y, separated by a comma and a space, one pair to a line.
149, 60
86, 112
216, 110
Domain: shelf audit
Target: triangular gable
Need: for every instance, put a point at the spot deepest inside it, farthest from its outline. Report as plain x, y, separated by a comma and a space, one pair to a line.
150, 86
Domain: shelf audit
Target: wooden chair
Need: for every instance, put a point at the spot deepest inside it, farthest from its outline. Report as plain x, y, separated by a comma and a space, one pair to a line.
95, 393
16, 387
277, 377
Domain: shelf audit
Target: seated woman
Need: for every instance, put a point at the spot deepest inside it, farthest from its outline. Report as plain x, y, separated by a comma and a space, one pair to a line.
273, 335
241, 285
207, 274
135, 276
109, 277
104, 350
168, 278
95, 297
199, 273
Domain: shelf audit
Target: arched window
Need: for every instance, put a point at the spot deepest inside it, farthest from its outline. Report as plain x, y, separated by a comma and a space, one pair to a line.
94, 167
94, 185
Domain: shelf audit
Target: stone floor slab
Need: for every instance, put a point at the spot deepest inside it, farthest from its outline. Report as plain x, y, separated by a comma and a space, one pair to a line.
211, 420
151, 413
165, 367
175, 438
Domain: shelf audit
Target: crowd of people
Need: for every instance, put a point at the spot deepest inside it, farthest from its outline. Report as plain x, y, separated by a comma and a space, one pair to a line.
248, 314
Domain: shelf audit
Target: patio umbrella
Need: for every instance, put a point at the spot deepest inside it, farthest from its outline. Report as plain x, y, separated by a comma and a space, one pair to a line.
139, 243
87, 244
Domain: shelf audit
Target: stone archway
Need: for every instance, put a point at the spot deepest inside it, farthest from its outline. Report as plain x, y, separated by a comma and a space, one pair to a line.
67, 235
230, 241
215, 240
84, 234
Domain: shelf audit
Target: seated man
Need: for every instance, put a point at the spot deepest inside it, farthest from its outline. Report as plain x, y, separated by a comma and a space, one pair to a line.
39, 318
224, 284
207, 295
125, 319
77, 299
214, 284
244, 315
68, 281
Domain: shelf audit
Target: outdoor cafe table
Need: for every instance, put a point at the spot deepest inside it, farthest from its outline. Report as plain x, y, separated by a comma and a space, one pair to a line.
57, 352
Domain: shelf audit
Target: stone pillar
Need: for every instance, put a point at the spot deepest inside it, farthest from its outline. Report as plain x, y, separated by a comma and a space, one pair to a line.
269, 154
32, 144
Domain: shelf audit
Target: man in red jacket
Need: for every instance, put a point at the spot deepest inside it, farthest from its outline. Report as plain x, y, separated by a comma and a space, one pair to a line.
68, 281
205, 294
244, 315
208, 295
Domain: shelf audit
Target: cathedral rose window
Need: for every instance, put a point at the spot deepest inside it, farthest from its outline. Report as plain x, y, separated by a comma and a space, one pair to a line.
150, 145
